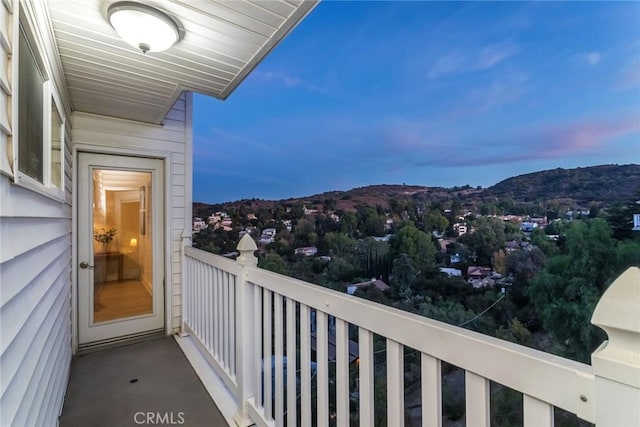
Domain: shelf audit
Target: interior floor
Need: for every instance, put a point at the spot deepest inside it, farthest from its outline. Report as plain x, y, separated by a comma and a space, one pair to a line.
117, 300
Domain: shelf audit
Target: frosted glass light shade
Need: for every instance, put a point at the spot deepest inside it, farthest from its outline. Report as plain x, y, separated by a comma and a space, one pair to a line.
143, 27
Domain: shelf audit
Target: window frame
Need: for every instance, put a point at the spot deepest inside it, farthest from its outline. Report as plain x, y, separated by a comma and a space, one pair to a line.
50, 98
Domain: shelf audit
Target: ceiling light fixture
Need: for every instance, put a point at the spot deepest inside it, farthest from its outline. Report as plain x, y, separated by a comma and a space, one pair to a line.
143, 27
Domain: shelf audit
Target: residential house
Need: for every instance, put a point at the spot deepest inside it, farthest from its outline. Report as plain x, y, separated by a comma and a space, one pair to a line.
268, 236
107, 143
309, 211
460, 228
379, 284
512, 246
198, 224
287, 224
451, 272
476, 272
306, 251
455, 258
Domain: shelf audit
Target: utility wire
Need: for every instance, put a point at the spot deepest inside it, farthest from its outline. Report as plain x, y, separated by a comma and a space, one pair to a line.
482, 312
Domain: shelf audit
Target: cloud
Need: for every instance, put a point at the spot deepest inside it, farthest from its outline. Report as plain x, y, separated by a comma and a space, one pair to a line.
593, 58
559, 141
483, 59
449, 64
508, 89
491, 55
285, 79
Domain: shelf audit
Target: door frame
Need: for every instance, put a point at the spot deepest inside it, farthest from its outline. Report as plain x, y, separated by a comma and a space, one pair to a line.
166, 158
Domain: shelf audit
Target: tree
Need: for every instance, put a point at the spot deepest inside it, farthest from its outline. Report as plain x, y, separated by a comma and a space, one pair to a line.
403, 276
485, 240
416, 244
435, 221
273, 262
370, 222
524, 265
348, 223
566, 292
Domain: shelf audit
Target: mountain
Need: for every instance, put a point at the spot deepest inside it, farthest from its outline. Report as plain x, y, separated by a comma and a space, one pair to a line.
605, 183
594, 184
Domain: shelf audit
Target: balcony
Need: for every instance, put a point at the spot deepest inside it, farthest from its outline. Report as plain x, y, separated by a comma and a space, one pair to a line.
275, 351
284, 350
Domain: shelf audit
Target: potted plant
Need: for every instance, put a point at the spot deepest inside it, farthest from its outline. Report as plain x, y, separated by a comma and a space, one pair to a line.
104, 237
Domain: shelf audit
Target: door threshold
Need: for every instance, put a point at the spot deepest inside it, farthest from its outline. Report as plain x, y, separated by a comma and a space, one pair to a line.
119, 341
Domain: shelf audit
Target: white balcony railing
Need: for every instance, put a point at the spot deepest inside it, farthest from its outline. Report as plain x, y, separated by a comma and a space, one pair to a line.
259, 330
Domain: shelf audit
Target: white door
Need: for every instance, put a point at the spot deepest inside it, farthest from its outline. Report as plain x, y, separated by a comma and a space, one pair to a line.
120, 247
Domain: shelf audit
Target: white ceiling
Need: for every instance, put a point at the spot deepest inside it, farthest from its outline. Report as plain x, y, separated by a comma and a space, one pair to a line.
223, 41
119, 180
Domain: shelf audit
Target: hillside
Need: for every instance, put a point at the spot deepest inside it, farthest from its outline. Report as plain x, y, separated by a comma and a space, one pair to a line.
596, 184
605, 183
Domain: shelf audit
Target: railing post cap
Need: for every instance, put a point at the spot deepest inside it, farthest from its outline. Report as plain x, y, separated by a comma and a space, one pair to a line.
246, 247
618, 314
619, 306
246, 244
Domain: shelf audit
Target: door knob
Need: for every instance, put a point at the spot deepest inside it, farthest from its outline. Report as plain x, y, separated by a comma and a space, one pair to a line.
85, 264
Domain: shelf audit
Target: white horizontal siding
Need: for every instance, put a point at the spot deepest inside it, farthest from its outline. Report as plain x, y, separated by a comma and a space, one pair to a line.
35, 305
35, 272
168, 141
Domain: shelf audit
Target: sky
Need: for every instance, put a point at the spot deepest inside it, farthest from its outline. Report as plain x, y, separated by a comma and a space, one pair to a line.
426, 93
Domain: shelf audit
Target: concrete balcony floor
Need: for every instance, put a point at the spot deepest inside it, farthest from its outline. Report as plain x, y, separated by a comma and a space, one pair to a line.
121, 386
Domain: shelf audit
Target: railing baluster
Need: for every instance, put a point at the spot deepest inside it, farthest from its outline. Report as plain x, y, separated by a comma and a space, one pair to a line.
189, 288
214, 315
278, 355
537, 413
342, 373
210, 308
232, 323
219, 306
204, 309
225, 320
395, 384
198, 323
292, 391
305, 366
208, 318
322, 359
431, 391
266, 355
257, 327
366, 386
477, 400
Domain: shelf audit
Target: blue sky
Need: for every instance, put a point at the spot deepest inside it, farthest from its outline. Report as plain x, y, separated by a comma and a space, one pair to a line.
426, 93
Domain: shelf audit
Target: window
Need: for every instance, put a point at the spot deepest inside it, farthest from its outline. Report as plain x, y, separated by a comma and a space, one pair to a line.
30, 113
39, 151
57, 139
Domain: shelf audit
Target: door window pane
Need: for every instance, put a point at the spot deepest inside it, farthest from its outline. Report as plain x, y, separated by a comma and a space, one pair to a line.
30, 113
122, 247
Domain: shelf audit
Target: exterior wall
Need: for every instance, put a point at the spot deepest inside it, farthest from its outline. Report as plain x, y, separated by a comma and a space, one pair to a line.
170, 141
35, 261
